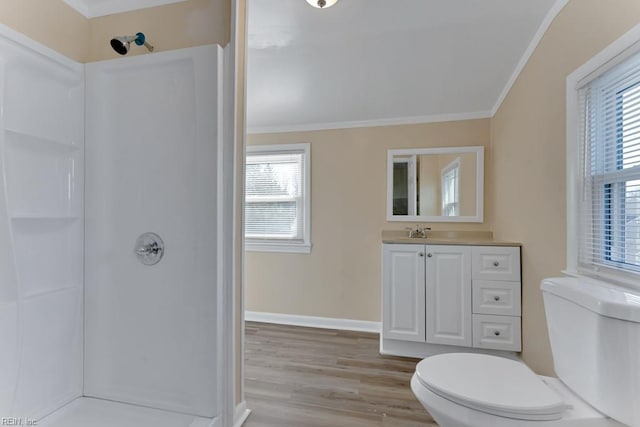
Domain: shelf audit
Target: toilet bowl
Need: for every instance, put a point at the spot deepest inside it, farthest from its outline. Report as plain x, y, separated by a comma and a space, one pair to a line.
594, 329
476, 390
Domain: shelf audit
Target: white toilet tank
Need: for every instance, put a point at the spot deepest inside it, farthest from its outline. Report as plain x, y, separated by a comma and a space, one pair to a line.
594, 329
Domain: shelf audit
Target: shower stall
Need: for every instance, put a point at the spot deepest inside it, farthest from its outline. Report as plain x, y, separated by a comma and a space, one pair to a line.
113, 193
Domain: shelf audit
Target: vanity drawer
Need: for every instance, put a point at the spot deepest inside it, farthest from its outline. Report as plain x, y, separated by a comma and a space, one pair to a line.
495, 263
497, 332
495, 297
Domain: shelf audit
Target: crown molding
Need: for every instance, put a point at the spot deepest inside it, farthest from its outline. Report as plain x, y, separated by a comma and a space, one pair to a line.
308, 127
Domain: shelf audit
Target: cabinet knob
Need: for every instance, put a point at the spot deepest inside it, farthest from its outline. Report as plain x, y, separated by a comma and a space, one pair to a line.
421, 254
496, 298
496, 263
429, 255
496, 333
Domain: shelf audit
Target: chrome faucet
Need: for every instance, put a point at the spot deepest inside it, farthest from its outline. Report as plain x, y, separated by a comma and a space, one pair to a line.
419, 232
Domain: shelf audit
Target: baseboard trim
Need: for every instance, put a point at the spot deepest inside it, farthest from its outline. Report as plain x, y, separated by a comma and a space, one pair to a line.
313, 321
241, 414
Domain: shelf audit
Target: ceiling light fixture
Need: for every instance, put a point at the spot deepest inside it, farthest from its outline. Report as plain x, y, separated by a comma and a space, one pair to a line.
322, 4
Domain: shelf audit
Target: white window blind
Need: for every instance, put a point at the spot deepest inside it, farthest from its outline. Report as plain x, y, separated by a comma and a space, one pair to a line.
451, 189
609, 152
276, 198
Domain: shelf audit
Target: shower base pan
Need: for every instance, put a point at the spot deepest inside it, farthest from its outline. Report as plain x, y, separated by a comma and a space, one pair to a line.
89, 412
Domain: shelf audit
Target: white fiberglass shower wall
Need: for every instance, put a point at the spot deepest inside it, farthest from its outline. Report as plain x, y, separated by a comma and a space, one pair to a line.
90, 336
150, 331
41, 229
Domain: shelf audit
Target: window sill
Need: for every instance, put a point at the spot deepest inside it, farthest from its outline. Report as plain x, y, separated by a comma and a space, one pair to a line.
292, 248
623, 279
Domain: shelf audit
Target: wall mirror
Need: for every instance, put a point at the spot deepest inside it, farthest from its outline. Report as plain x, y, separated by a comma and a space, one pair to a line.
435, 184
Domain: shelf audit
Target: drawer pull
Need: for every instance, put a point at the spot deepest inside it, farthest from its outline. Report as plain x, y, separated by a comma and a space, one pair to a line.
496, 298
496, 263
429, 255
496, 333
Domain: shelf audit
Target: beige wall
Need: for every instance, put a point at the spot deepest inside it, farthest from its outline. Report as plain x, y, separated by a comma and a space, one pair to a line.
528, 145
341, 276
174, 26
50, 22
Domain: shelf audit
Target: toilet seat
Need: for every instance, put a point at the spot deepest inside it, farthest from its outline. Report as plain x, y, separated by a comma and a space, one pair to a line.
490, 384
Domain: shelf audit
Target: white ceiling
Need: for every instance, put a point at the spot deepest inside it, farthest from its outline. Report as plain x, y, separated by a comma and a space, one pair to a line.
383, 62
95, 8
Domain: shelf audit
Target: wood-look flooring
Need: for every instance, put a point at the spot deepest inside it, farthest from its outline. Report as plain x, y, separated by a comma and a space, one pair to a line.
307, 377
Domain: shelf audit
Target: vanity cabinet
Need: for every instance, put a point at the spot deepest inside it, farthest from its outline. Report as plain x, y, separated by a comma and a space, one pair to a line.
435, 296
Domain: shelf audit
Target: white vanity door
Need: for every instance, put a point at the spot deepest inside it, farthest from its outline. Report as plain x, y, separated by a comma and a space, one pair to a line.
403, 292
448, 295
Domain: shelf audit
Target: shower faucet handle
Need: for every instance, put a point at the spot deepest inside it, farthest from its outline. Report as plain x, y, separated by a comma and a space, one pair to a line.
150, 248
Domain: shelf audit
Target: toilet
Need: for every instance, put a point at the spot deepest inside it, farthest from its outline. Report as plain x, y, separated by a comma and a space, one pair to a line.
594, 328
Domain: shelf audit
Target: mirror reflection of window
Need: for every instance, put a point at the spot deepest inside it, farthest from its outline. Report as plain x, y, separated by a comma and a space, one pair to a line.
450, 180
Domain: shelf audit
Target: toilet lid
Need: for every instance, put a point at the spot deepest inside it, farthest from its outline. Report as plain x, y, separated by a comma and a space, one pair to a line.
490, 384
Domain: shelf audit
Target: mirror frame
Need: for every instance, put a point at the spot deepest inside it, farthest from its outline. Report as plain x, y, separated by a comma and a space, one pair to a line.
478, 217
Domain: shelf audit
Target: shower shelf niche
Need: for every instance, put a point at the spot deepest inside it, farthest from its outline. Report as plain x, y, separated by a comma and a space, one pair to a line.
48, 170
50, 255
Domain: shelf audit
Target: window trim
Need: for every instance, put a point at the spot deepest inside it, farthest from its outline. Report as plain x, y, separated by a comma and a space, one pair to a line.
614, 54
279, 244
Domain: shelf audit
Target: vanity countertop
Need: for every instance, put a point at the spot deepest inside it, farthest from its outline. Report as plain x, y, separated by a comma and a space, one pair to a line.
437, 237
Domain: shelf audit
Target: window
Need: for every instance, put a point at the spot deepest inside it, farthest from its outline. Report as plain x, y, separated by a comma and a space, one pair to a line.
277, 198
451, 189
607, 202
